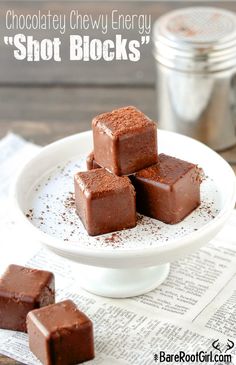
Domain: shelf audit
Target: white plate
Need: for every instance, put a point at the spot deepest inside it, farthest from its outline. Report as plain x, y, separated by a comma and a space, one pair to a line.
44, 188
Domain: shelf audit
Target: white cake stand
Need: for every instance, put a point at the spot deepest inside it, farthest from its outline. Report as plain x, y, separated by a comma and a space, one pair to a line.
125, 263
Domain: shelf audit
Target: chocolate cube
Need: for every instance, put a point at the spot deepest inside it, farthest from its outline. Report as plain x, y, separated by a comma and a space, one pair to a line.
91, 163
21, 290
60, 334
104, 202
125, 140
168, 190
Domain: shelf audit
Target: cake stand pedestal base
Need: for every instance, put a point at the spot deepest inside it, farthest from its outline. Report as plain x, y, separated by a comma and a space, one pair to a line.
122, 283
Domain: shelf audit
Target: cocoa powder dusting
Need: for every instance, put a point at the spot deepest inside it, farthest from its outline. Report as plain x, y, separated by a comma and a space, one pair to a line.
70, 201
100, 181
168, 170
122, 121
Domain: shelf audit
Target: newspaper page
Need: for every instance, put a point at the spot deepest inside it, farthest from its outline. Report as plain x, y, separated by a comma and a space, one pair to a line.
194, 309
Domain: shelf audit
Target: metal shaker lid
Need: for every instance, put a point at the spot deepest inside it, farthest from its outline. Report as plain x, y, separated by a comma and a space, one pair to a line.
196, 38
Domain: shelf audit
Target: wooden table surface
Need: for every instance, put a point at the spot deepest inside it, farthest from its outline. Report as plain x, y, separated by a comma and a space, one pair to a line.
46, 101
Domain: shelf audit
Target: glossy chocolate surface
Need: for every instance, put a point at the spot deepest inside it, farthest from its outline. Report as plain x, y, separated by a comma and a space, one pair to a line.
91, 163
104, 202
60, 334
125, 140
21, 290
168, 190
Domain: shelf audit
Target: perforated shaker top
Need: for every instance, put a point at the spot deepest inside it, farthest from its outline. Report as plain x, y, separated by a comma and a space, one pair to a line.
198, 25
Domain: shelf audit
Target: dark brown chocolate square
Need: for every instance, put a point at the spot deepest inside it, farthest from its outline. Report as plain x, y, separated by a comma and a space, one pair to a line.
125, 140
21, 290
91, 163
168, 190
104, 202
60, 334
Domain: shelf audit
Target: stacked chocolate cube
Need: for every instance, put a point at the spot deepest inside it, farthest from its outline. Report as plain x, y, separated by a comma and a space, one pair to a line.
125, 143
